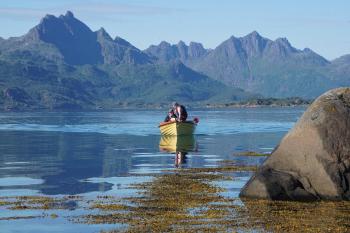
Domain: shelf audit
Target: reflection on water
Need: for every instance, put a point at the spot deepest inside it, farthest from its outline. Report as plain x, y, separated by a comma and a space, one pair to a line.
94, 154
179, 145
64, 162
180, 158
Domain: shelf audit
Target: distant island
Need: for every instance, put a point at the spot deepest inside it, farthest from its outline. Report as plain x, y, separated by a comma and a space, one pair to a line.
61, 64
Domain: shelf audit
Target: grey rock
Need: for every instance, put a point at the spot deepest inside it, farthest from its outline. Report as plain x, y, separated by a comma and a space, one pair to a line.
312, 162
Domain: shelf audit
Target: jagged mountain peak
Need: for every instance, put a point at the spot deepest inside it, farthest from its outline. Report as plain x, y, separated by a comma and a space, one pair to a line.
308, 50
67, 20
102, 30
166, 52
195, 44
311, 52
69, 14
123, 42
254, 34
47, 17
103, 33
254, 44
197, 49
63, 25
164, 44
79, 45
74, 39
231, 39
181, 43
281, 48
283, 41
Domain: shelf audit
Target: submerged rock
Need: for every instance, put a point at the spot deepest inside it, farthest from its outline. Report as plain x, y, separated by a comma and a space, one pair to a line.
312, 162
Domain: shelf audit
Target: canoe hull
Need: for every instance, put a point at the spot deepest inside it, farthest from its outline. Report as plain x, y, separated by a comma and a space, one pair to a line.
177, 128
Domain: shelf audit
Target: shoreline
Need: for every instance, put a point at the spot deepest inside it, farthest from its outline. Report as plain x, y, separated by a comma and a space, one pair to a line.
222, 106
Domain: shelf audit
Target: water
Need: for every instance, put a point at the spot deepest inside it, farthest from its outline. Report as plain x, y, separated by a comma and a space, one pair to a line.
101, 153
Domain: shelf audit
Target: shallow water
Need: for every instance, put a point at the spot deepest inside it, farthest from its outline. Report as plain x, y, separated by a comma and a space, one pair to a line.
102, 153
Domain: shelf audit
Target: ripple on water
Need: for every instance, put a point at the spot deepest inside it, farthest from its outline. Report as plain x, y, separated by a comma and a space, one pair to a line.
149, 129
12, 163
147, 155
18, 192
19, 181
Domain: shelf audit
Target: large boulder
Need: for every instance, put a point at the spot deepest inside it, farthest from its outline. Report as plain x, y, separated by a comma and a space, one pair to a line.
312, 162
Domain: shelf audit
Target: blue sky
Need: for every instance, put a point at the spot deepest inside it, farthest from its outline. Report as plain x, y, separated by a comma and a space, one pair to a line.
322, 25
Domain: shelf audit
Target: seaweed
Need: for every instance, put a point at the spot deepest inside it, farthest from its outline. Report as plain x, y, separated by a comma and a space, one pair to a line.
252, 153
188, 200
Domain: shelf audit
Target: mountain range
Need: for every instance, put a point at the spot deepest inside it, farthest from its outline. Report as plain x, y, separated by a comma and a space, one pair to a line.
260, 65
62, 64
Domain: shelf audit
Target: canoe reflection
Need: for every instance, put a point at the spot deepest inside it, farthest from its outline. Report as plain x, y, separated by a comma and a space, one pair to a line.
180, 145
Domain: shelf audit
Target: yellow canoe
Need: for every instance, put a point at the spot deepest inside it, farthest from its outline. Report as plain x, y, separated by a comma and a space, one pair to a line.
177, 143
177, 128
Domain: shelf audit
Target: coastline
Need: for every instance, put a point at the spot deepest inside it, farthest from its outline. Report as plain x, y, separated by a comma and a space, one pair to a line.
253, 103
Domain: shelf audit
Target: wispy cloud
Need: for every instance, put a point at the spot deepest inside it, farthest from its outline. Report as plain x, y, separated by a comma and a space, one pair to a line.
90, 8
20, 12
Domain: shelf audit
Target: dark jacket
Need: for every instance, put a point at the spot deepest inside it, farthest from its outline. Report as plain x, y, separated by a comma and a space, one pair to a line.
182, 115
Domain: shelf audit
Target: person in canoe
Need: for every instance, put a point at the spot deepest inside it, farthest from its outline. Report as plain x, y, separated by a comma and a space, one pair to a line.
180, 112
171, 116
176, 113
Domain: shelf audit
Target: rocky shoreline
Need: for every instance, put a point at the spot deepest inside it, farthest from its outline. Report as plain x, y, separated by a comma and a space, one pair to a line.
182, 200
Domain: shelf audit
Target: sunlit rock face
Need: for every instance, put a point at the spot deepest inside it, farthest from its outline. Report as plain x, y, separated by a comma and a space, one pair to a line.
312, 162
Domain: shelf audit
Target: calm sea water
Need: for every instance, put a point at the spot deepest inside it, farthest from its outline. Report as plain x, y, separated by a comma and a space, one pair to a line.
101, 153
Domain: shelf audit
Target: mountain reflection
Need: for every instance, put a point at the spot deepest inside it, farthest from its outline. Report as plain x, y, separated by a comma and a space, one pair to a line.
65, 160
